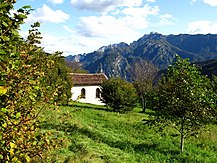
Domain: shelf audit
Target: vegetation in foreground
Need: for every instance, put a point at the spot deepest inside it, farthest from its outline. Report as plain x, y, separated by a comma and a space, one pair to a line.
89, 133
185, 100
30, 80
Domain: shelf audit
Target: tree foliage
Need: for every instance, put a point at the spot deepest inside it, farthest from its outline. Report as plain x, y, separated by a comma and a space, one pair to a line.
144, 74
119, 94
75, 67
58, 79
26, 86
185, 99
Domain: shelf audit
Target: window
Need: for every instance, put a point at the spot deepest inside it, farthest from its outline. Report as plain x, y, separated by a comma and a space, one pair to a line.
97, 93
83, 93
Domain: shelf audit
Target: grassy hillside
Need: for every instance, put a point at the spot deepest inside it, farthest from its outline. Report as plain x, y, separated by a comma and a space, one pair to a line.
93, 134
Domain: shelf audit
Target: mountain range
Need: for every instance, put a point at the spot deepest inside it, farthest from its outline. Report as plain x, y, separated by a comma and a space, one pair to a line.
116, 60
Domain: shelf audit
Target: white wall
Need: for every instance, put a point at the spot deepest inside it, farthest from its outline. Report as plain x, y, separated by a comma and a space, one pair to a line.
90, 94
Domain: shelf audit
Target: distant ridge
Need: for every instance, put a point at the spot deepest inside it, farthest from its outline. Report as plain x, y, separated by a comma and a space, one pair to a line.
116, 60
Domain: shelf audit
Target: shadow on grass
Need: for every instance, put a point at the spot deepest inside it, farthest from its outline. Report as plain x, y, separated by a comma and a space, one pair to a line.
150, 113
65, 127
91, 106
145, 147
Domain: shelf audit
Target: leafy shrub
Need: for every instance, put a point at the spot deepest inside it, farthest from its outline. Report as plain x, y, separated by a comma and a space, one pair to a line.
118, 94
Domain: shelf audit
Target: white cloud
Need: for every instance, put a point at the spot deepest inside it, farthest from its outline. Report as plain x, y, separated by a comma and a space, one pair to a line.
46, 14
211, 2
202, 27
77, 44
68, 29
136, 17
150, 0
104, 5
129, 3
193, 1
56, 1
141, 11
167, 19
53, 43
104, 26
120, 21
92, 32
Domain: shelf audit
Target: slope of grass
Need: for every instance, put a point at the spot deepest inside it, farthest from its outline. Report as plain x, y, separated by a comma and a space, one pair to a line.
93, 134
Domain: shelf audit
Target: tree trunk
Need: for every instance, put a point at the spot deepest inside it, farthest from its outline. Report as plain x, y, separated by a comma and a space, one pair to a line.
182, 143
182, 135
143, 103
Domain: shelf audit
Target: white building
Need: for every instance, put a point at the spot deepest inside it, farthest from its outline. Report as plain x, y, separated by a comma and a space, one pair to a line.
86, 87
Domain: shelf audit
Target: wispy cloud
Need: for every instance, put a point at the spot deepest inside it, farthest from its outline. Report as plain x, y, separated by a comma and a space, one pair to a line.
211, 2
202, 27
122, 23
167, 19
103, 5
150, 0
108, 25
193, 1
56, 1
104, 26
46, 14
141, 11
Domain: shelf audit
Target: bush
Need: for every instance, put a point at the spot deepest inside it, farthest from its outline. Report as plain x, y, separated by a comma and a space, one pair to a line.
119, 94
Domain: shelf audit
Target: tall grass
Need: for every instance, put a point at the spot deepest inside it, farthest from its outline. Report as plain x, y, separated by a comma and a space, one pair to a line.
90, 133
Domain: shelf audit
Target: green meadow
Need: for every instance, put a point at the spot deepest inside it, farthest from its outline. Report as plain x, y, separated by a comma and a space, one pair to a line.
93, 134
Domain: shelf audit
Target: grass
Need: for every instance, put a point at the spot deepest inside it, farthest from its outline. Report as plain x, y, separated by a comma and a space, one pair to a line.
92, 134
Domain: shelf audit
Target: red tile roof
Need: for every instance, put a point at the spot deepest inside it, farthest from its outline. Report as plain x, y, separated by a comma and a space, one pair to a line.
88, 79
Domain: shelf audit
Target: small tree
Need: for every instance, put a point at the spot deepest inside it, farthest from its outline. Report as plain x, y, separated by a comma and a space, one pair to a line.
185, 100
119, 94
143, 74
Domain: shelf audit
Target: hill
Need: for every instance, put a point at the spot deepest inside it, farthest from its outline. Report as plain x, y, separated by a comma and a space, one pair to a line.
89, 133
208, 67
117, 59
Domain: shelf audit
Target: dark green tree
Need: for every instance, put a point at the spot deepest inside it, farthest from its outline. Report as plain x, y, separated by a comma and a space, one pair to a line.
119, 94
59, 72
185, 100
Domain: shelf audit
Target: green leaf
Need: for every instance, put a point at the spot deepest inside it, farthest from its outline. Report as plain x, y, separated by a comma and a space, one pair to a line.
2, 83
27, 7
18, 115
4, 24
21, 16
14, 32
5, 38
2, 53
4, 110
28, 159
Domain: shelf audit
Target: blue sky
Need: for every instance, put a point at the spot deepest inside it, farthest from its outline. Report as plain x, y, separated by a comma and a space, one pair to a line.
82, 26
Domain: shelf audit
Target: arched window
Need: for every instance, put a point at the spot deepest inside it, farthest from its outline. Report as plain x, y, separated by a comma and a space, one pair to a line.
97, 93
83, 93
